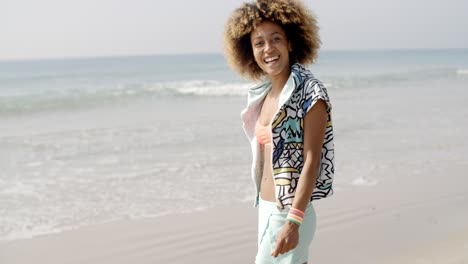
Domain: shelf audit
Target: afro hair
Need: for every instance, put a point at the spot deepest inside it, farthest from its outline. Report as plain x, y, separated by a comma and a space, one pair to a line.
299, 23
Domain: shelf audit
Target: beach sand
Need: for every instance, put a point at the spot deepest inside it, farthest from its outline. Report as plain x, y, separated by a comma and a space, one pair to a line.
415, 222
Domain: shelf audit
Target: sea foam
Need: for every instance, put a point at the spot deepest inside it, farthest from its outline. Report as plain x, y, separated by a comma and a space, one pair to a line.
462, 71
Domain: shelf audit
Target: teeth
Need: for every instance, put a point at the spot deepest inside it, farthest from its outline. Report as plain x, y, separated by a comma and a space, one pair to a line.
271, 59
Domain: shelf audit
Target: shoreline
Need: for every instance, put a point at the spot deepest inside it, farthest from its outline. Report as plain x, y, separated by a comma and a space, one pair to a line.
357, 225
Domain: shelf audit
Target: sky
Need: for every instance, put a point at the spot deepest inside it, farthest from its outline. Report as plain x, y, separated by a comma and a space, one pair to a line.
32, 29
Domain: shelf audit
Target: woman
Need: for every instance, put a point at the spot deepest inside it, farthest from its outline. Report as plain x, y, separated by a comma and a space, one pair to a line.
287, 120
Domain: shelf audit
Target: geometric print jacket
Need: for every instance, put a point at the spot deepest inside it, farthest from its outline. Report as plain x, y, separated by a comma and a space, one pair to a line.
300, 93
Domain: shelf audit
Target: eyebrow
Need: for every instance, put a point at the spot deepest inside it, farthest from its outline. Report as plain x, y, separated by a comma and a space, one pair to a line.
276, 32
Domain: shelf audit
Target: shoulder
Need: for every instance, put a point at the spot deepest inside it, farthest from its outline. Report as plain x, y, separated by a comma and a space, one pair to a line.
259, 90
304, 77
309, 88
306, 82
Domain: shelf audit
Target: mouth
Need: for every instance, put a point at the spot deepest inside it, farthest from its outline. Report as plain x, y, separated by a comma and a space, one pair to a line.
271, 60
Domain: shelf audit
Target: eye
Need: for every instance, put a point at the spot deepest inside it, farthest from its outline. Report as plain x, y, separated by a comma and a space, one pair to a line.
276, 39
258, 44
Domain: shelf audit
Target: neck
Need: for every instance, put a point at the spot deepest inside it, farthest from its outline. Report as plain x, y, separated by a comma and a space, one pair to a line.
278, 82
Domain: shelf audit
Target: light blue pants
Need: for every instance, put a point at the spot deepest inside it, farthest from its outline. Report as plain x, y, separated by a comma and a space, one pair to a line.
270, 221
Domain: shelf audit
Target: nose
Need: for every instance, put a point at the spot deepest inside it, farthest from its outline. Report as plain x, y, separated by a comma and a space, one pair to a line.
268, 46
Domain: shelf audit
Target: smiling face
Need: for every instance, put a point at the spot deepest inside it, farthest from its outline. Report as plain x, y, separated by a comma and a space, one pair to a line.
271, 49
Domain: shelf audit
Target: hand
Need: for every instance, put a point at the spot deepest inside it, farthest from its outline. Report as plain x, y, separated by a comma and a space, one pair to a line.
287, 239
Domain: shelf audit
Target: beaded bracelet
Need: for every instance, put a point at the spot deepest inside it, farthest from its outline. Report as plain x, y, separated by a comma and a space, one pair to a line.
295, 216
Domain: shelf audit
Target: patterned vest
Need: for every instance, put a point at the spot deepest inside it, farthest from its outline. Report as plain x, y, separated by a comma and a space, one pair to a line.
300, 93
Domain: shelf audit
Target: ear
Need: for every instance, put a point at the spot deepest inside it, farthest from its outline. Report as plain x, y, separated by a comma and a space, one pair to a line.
289, 46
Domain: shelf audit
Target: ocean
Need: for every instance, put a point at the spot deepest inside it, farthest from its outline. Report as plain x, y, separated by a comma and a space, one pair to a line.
93, 140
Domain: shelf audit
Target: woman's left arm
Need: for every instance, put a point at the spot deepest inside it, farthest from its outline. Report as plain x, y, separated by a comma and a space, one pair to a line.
315, 123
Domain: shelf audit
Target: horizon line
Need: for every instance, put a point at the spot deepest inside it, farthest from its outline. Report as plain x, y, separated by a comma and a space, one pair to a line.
86, 57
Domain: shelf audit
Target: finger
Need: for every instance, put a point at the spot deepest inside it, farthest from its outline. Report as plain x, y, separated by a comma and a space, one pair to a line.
293, 246
278, 248
286, 247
